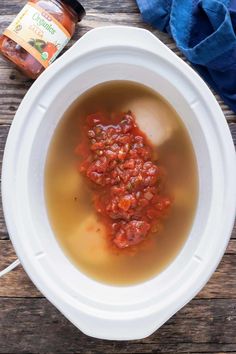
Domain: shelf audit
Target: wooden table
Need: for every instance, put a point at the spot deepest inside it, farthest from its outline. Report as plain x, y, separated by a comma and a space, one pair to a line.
29, 323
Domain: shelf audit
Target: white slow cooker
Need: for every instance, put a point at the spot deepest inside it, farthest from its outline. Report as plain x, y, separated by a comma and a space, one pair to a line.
103, 311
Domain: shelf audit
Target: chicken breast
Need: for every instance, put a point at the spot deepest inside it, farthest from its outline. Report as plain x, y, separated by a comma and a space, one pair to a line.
153, 117
89, 242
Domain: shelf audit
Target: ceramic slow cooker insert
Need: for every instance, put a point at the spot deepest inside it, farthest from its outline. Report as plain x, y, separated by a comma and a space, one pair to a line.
103, 311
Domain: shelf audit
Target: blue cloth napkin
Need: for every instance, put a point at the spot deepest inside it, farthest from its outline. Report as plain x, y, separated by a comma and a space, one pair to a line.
204, 30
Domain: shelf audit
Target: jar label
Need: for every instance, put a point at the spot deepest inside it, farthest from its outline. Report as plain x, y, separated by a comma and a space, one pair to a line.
39, 33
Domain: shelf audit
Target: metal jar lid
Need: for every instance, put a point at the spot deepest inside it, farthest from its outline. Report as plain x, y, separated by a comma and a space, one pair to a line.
77, 7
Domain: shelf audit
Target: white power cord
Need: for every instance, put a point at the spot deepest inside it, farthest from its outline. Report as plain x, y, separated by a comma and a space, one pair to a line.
9, 268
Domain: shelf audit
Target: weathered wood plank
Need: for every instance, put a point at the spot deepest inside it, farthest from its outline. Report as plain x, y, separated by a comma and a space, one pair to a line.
232, 127
16, 283
202, 326
231, 249
223, 282
111, 6
3, 228
3, 136
221, 285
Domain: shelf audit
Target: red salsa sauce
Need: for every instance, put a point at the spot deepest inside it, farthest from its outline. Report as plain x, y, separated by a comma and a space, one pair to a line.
127, 183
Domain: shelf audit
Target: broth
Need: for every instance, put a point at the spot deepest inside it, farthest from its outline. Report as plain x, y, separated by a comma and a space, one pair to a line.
76, 225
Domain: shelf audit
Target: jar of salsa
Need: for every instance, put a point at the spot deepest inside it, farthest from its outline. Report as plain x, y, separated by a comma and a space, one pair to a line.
39, 33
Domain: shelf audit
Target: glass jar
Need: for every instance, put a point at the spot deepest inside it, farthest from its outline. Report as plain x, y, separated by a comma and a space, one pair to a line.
39, 33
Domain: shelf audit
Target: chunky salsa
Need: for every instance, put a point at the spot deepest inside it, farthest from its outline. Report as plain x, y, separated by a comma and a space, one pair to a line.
127, 182
15, 50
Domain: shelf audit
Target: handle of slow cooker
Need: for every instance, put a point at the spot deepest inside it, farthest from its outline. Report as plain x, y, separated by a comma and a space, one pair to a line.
118, 36
10, 267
